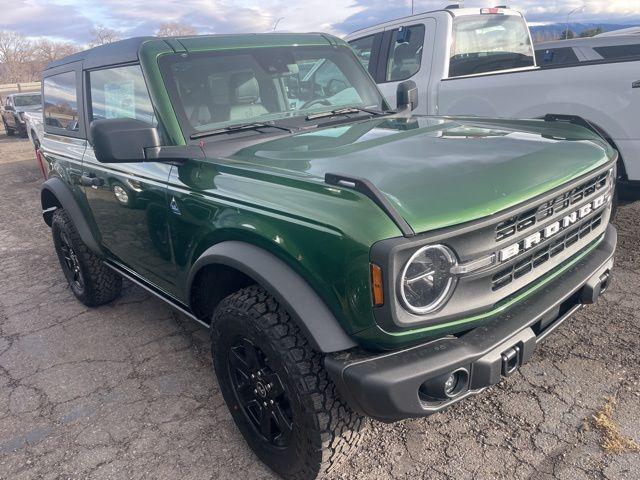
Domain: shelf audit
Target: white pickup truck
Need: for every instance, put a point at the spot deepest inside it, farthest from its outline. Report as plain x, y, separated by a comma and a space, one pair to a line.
471, 61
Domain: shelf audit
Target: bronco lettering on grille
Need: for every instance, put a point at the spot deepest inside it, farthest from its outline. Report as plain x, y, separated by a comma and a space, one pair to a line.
553, 228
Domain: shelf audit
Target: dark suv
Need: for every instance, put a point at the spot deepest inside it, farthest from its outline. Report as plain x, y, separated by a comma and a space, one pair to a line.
349, 260
14, 108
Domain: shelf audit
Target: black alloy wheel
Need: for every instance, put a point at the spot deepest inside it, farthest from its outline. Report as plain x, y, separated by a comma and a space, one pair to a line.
71, 263
260, 393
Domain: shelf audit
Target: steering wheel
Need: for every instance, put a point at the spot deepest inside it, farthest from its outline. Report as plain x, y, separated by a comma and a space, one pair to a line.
331, 86
315, 101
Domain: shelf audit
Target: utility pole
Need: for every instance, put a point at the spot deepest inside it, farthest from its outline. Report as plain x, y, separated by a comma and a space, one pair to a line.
577, 9
275, 25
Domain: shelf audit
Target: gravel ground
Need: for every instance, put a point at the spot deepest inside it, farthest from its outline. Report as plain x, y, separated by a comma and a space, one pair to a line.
126, 390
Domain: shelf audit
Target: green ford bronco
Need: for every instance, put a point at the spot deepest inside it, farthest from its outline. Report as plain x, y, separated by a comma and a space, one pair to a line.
350, 261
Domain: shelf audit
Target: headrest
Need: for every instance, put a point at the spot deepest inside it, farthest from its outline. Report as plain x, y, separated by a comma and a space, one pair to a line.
243, 88
403, 52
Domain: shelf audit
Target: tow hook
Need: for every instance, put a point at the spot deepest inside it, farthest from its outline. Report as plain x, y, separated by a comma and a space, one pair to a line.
595, 287
510, 360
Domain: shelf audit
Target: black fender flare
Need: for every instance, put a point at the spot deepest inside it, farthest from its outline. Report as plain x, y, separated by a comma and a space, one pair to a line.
65, 199
304, 305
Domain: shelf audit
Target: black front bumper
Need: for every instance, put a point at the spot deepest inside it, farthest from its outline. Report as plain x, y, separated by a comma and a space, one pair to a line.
387, 386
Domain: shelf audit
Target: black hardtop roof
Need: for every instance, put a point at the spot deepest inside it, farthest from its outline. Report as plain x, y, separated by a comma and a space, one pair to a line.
126, 51
122, 51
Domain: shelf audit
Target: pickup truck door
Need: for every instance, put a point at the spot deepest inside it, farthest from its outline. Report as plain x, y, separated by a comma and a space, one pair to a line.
405, 54
8, 113
128, 200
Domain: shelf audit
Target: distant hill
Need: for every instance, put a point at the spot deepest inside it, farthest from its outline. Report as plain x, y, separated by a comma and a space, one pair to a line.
553, 31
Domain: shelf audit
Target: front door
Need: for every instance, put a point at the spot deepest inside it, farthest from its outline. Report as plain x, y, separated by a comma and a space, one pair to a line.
402, 52
128, 200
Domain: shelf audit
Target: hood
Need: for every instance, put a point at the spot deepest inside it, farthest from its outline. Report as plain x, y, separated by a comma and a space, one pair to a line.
439, 172
29, 109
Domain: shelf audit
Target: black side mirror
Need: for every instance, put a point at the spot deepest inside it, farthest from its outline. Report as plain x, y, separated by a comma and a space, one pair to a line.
407, 95
120, 140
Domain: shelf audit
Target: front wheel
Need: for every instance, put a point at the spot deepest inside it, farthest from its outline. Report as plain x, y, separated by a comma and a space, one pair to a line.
8, 130
91, 281
277, 389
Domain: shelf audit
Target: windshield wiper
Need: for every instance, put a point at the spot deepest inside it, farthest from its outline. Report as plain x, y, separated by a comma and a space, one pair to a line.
343, 111
238, 128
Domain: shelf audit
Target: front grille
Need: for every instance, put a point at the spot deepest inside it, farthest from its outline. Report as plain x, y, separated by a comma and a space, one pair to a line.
526, 220
541, 255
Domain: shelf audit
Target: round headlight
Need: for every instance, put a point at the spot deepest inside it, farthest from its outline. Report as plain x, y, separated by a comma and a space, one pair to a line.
426, 280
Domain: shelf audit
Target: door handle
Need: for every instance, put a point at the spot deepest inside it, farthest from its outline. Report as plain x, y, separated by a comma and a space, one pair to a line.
90, 180
636, 84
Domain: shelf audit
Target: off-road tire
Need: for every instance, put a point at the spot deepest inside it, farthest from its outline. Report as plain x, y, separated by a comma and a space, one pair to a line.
325, 429
100, 284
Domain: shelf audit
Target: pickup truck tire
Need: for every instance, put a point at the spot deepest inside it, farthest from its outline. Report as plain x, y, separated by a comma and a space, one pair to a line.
260, 356
90, 280
9, 131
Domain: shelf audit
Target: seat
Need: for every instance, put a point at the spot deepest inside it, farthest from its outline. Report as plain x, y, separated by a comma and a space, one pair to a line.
244, 96
404, 62
195, 100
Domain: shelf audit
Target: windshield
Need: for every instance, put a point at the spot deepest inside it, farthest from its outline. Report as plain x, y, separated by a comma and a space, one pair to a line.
218, 89
27, 100
489, 43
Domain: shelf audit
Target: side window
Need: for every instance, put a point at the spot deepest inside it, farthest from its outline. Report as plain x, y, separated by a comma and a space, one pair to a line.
618, 51
120, 92
61, 102
363, 48
405, 54
556, 56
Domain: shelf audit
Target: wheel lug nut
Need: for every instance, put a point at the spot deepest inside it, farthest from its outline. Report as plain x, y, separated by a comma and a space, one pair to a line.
253, 376
265, 404
255, 391
271, 402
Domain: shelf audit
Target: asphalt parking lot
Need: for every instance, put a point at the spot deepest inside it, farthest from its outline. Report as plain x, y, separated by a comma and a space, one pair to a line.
126, 390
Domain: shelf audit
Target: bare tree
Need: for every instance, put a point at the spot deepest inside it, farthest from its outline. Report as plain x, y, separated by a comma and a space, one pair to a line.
45, 51
15, 54
175, 29
101, 35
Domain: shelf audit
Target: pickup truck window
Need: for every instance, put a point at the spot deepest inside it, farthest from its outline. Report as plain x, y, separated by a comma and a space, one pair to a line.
556, 56
363, 47
120, 93
489, 43
405, 53
216, 89
27, 100
61, 102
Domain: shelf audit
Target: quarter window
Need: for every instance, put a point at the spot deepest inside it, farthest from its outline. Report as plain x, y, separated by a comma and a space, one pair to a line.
405, 54
120, 93
61, 102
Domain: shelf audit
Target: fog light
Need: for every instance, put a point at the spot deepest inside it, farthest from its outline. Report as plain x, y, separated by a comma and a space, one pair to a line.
446, 386
450, 384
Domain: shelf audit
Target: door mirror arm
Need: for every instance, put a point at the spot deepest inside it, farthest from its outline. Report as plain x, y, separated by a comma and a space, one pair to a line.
174, 155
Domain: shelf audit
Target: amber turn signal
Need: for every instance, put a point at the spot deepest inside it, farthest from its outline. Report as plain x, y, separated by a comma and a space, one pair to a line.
376, 285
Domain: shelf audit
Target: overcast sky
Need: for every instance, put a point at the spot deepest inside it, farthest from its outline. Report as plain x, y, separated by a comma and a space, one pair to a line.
72, 19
